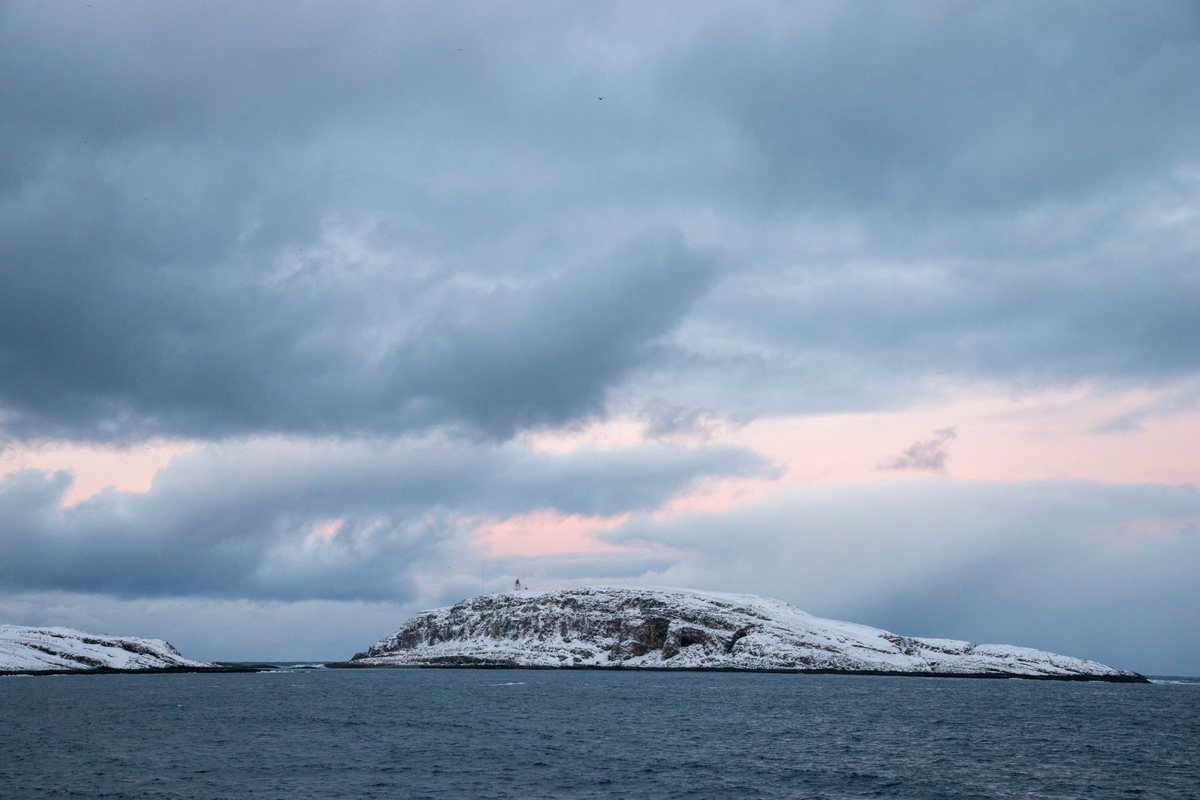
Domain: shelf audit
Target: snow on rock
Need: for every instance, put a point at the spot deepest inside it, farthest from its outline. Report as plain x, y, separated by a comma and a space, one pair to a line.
658, 628
57, 649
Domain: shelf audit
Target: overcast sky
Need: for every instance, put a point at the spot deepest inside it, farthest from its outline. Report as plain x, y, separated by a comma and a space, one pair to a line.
313, 315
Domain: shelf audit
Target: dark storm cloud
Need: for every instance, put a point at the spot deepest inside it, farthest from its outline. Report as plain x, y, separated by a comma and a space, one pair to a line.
172, 179
1108, 294
218, 219
157, 349
258, 519
945, 107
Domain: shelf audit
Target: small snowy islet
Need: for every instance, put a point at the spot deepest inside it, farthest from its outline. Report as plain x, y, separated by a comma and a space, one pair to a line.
57, 649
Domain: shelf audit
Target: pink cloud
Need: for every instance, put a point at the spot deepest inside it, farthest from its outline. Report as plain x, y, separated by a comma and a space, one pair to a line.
997, 435
978, 433
716, 495
128, 469
544, 532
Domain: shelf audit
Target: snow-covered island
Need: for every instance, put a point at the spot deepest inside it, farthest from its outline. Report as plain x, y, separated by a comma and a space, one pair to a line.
659, 628
59, 650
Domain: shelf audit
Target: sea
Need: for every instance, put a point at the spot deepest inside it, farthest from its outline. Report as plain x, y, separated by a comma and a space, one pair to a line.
463, 733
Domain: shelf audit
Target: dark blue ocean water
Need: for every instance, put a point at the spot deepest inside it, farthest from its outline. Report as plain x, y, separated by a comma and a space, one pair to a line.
531, 734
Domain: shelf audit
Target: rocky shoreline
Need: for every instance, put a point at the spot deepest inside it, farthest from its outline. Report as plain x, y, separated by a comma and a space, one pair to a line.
216, 668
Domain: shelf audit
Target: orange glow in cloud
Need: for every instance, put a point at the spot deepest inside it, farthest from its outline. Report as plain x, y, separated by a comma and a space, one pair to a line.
328, 527
546, 531
128, 469
715, 495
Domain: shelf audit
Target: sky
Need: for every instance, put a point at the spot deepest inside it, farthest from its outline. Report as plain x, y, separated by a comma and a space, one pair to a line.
314, 315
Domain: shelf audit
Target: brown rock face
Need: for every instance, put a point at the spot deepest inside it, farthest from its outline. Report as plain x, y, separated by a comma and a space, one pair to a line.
516, 616
653, 632
688, 637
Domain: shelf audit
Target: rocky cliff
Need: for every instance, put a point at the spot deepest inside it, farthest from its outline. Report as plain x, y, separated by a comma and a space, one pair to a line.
652, 628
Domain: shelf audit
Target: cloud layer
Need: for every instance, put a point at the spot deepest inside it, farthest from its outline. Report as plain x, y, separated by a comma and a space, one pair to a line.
278, 520
378, 220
